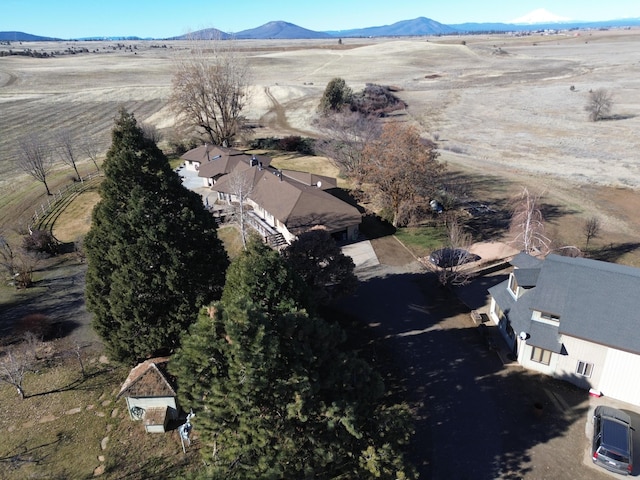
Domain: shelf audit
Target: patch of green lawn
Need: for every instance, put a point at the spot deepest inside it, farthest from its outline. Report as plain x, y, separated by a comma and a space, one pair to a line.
422, 240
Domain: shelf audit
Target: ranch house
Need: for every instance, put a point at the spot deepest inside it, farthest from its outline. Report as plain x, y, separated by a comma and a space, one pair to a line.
281, 204
575, 319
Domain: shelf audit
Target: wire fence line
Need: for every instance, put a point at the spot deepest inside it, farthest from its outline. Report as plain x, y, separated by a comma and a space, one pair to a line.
46, 213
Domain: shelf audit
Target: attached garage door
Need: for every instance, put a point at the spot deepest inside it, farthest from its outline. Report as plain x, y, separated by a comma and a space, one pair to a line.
619, 377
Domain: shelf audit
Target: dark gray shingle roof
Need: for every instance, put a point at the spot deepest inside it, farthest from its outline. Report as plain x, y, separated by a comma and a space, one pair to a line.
524, 260
596, 301
526, 277
544, 336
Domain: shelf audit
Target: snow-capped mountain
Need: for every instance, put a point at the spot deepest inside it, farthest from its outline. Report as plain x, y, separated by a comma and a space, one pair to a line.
539, 16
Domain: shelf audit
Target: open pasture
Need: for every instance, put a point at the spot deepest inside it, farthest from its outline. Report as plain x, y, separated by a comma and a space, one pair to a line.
497, 105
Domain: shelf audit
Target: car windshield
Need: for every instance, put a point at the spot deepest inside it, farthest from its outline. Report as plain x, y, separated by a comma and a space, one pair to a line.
613, 455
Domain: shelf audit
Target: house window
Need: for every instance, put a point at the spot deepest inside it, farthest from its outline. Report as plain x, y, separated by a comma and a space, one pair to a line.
513, 285
584, 368
549, 316
540, 355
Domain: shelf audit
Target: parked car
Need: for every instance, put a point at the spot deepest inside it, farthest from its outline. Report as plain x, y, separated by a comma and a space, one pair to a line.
452, 257
612, 446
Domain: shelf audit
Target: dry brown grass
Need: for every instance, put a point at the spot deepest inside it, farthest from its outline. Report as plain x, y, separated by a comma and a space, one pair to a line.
57, 430
503, 120
74, 222
510, 115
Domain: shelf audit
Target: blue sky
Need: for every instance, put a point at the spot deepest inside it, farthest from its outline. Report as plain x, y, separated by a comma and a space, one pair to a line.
165, 18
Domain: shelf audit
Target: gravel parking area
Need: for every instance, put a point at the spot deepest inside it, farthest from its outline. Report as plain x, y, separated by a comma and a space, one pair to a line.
478, 416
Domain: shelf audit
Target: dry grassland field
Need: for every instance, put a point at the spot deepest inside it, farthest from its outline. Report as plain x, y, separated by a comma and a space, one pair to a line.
499, 106
501, 109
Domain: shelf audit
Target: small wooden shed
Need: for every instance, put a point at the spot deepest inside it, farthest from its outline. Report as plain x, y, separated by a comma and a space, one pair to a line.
150, 395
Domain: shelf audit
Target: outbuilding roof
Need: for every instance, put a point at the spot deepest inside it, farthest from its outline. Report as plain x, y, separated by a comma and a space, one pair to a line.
148, 379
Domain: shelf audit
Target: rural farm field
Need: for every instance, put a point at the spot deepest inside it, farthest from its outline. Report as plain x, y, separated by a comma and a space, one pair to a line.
501, 109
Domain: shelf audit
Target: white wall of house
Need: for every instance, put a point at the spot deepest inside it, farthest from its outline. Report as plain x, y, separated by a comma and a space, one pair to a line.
191, 165
495, 314
524, 358
148, 402
581, 351
620, 376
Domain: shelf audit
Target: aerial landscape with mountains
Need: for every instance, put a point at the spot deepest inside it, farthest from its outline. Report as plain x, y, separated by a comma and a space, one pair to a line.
536, 20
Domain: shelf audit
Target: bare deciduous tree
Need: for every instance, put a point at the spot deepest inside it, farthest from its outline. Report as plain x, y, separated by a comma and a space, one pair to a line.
150, 132
591, 229
346, 136
401, 170
527, 224
67, 147
34, 158
15, 362
210, 89
18, 264
599, 104
241, 186
455, 271
91, 150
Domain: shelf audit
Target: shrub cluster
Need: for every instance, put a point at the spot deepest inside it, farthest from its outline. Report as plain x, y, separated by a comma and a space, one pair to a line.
377, 100
292, 143
40, 241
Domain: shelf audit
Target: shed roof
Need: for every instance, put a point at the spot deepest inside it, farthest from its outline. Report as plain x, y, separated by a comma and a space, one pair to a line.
148, 379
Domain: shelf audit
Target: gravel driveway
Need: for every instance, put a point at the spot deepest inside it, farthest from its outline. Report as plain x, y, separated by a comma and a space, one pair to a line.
476, 417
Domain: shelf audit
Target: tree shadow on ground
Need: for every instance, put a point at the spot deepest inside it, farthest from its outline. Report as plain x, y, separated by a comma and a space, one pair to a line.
57, 295
22, 454
612, 252
373, 227
474, 418
88, 382
626, 116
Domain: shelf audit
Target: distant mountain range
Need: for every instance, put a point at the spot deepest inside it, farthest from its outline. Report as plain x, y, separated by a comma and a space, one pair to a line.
417, 27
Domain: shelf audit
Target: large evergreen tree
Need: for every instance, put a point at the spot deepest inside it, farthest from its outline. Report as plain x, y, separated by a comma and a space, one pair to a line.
275, 392
153, 251
318, 260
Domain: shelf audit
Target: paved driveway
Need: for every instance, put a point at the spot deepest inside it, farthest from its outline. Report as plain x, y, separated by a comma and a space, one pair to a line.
475, 417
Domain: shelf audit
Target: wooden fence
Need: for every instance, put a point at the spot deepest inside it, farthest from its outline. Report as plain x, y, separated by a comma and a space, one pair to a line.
45, 215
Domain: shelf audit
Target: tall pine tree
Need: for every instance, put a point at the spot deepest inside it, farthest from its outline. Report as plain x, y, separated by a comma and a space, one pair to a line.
275, 392
153, 251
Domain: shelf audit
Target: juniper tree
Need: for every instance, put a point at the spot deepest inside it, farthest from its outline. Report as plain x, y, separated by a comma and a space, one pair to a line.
326, 271
275, 391
153, 251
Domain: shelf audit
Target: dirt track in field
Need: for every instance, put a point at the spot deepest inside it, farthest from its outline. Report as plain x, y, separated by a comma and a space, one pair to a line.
499, 107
